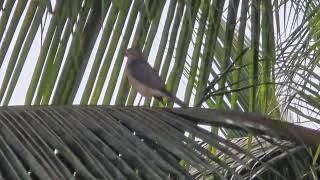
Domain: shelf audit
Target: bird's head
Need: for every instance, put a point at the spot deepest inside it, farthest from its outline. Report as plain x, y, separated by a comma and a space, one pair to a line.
134, 54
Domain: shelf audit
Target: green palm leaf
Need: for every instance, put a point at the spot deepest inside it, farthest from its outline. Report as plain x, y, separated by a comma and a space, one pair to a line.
70, 52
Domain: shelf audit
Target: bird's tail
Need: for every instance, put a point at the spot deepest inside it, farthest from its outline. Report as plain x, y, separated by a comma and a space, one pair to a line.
175, 99
178, 101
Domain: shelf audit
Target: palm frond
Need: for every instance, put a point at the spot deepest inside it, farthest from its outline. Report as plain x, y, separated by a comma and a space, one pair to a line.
61, 142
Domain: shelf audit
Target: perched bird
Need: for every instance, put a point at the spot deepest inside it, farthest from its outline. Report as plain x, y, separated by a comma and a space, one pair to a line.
144, 79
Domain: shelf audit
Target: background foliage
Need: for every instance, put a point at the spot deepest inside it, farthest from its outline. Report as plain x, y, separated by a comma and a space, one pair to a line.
251, 56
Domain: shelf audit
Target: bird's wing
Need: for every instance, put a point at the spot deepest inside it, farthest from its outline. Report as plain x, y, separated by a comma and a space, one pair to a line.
144, 73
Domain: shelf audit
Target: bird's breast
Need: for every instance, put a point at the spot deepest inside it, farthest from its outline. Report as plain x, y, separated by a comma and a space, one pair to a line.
142, 88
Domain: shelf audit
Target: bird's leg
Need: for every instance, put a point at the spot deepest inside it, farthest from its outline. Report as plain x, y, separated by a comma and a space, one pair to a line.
139, 101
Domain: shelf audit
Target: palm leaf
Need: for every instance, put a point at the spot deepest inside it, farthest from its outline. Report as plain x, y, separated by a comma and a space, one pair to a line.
199, 45
113, 142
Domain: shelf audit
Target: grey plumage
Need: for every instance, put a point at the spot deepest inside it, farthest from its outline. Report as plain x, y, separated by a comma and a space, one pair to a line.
143, 72
144, 78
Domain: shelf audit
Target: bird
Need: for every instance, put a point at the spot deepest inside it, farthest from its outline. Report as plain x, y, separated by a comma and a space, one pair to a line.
144, 79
